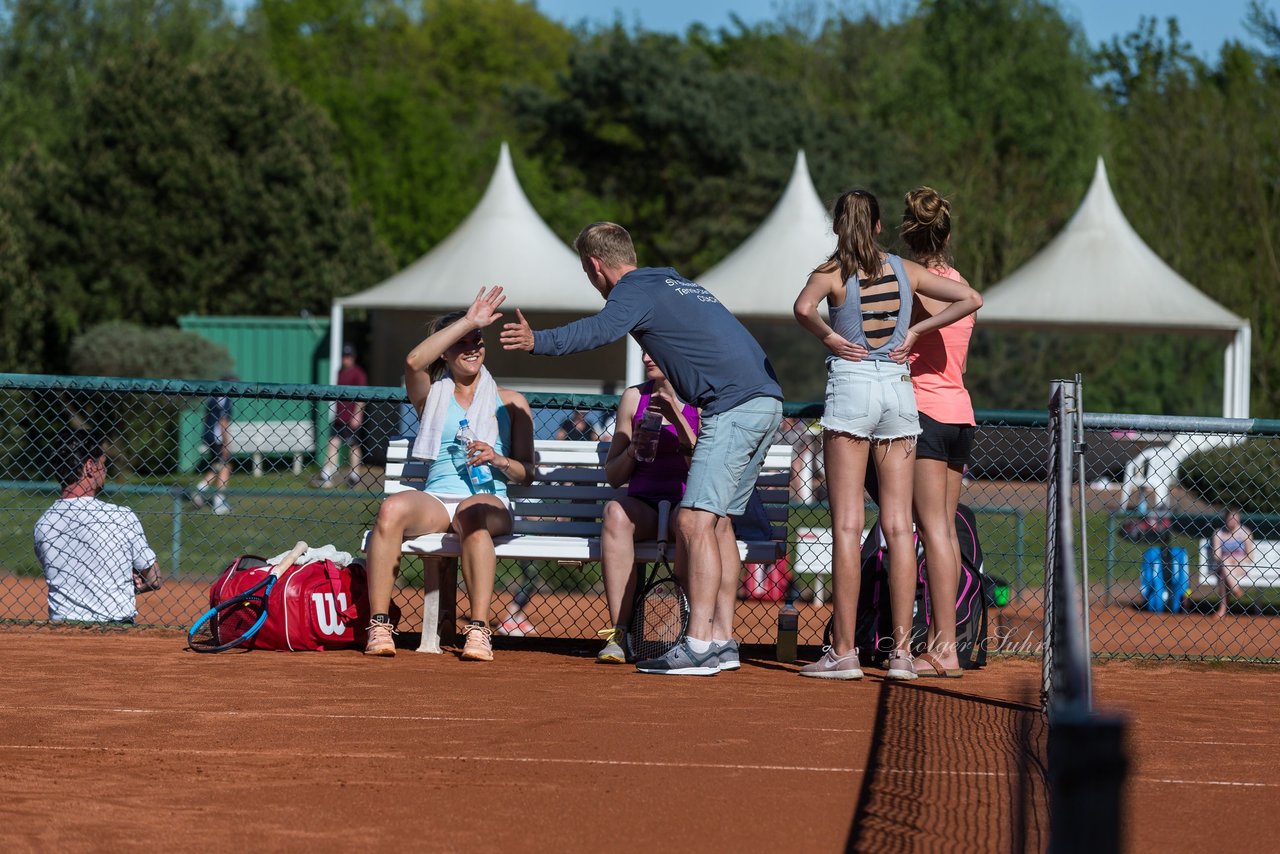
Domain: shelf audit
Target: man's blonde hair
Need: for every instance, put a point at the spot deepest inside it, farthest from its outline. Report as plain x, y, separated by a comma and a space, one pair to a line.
607, 241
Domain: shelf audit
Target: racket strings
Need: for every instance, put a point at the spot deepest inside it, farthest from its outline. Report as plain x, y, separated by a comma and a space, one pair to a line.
226, 627
662, 616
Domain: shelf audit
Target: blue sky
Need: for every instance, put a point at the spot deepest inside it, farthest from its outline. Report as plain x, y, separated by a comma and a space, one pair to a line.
1204, 23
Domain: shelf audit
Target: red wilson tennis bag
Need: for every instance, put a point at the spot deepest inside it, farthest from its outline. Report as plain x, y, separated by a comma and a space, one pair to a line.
316, 606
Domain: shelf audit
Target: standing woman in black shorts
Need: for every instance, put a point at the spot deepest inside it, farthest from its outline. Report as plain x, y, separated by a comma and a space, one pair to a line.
946, 419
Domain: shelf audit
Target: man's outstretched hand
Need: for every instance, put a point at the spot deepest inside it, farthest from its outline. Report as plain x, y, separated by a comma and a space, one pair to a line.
517, 335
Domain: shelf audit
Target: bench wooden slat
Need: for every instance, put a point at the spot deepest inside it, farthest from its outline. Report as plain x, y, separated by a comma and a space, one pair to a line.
568, 548
560, 492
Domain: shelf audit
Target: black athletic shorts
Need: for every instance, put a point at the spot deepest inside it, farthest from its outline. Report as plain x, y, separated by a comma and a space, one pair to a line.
951, 443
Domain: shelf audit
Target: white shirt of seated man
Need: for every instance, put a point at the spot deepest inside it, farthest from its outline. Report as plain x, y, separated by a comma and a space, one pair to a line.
94, 554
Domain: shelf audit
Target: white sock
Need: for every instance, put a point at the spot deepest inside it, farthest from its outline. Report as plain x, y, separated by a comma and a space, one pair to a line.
202, 487
326, 473
698, 646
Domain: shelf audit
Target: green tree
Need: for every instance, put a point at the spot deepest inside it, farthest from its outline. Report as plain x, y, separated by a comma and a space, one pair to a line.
689, 156
1194, 166
193, 187
416, 95
51, 53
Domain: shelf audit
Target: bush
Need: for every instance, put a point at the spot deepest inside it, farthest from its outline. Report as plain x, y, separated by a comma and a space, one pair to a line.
141, 430
119, 349
1246, 476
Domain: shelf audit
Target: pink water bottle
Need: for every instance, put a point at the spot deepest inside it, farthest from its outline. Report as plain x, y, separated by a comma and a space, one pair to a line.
646, 437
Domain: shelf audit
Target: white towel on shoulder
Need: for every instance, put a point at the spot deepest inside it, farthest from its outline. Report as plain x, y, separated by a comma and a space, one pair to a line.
482, 414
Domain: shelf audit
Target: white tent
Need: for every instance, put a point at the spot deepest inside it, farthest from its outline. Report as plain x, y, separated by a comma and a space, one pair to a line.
763, 276
1097, 274
502, 242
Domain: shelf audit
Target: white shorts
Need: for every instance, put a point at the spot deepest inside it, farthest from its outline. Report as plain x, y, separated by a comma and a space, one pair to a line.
451, 502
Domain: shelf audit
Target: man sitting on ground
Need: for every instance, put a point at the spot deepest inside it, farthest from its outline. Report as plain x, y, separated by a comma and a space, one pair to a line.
95, 556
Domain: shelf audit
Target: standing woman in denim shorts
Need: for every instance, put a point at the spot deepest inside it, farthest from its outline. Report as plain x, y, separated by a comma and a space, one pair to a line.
947, 425
871, 410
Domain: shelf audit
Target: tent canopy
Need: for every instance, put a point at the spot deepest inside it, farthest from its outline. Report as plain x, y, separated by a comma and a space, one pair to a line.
502, 242
1098, 275
763, 276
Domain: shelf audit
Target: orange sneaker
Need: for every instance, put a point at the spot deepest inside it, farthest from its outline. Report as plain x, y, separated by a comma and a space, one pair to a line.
381, 640
478, 646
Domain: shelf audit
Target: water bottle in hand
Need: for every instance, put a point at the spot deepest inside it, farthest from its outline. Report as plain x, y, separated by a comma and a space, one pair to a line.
646, 437
480, 474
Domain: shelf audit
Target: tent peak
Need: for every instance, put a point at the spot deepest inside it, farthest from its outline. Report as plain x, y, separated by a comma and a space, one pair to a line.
761, 277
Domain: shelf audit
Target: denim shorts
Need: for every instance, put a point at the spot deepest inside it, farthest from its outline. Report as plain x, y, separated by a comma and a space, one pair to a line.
870, 400
730, 452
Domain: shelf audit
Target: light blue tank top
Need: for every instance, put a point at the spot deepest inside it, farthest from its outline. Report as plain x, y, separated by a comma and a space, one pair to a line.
448, 475
847, 319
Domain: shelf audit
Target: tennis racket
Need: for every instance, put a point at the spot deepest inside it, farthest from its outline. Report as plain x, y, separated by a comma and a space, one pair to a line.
660, 617
233, 622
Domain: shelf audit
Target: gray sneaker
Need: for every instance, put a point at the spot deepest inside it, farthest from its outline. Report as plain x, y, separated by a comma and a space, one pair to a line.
832, 666
683, 661
727, 653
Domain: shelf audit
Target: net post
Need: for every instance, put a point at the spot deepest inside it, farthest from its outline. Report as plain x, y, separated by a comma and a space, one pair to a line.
1087, 772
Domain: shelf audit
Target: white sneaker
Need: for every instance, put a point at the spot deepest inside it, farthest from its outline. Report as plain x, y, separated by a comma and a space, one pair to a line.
220, 505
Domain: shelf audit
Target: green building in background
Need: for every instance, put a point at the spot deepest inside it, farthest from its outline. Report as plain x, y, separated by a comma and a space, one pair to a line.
267, 350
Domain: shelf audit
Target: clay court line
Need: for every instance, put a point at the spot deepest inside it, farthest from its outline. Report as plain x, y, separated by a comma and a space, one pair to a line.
714, 766
1206, 783
234, 713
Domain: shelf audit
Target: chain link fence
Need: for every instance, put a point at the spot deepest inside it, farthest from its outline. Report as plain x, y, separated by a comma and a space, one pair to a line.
1156, 492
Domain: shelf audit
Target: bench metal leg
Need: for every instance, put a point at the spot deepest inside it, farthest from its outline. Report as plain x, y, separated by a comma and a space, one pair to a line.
439, 601
297, 464
257, 464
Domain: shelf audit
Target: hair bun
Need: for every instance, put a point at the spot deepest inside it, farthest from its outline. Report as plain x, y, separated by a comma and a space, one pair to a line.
927, 206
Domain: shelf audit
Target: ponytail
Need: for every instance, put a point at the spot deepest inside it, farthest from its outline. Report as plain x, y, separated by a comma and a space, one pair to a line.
856, 215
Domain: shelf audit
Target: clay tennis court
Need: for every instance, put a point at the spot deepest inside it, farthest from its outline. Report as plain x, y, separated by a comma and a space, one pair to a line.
124, 740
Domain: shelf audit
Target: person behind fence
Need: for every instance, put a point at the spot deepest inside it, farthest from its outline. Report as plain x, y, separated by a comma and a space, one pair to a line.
650, 481
448, 383
713, 363
217, 438
1232, 556
576, 428
870, 413
94, 554
348, 418
946, 420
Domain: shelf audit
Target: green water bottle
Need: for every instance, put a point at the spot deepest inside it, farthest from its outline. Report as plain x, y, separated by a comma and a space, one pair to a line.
788, 622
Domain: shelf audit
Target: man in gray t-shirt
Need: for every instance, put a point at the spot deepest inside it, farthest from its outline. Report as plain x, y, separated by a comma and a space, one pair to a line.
94, 554
715, 364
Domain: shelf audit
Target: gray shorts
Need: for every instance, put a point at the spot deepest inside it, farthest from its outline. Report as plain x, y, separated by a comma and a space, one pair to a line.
731, 449
870, 400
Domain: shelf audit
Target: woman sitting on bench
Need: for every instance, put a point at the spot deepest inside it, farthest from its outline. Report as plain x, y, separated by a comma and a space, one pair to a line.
447, 382
635, 516
1232, 557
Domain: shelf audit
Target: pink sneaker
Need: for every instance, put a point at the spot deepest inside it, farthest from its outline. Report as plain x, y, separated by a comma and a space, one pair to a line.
381, 640
478, 645
832, 666
901, 666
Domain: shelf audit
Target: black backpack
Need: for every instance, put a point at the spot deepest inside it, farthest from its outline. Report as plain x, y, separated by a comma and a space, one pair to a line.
874, 632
